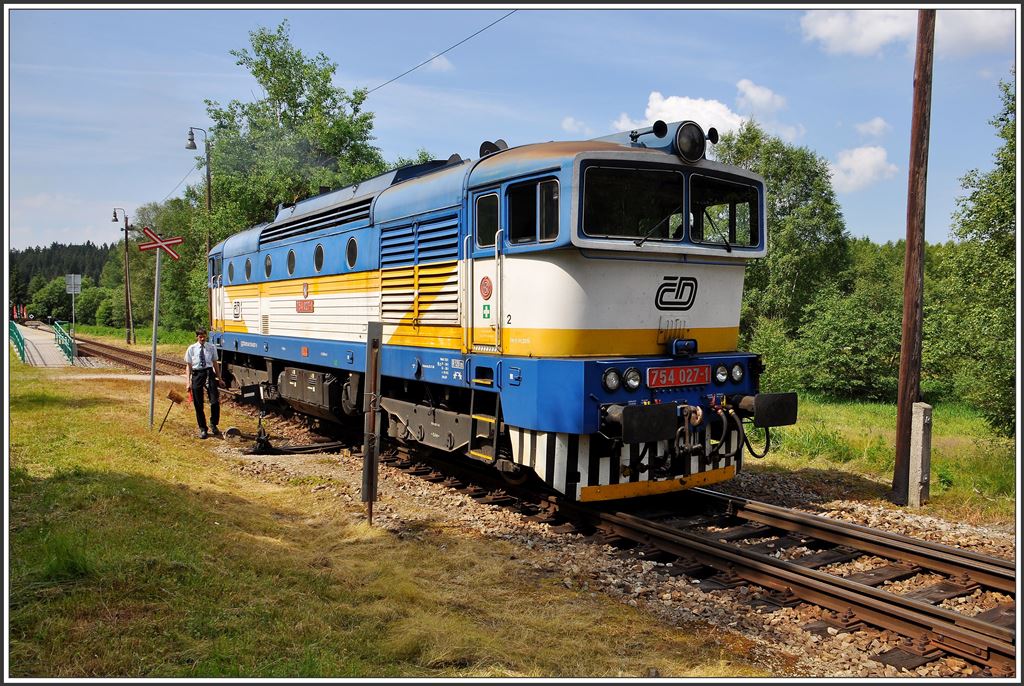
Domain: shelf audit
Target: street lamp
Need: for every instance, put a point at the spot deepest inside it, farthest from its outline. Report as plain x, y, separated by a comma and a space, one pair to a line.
190, 144
129, 323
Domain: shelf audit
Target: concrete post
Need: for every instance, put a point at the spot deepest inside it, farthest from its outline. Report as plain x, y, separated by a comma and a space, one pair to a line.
920, 455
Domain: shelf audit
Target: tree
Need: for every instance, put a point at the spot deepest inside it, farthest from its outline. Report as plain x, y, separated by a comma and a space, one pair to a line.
52, 300
807, 238
849, 342
37, 283
304, 134
88, 303
984, 304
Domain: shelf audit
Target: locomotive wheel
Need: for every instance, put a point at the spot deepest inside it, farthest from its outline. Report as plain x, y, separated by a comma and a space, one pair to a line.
516, 478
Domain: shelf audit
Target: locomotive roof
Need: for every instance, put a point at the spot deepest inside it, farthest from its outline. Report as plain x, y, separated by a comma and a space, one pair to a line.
419, 188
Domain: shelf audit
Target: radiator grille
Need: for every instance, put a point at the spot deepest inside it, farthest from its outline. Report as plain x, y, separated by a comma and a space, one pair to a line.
352, 213
265, 324
420, 272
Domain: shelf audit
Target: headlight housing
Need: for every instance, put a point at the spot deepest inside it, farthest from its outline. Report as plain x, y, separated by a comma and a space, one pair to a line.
690, 142
611, 379
632, 378
721, 374
737, 372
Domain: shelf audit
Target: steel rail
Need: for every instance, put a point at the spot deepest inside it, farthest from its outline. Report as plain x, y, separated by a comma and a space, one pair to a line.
946, 630
989, 571
137, 360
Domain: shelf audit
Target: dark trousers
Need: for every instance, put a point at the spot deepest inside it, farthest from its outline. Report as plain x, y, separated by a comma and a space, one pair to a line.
205, 380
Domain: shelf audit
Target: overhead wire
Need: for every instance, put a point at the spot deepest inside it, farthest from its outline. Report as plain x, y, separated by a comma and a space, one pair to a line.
408, 71
180, 182
434, 57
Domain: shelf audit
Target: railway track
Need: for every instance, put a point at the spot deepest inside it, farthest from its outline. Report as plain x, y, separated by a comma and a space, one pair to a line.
129, 358
725, 542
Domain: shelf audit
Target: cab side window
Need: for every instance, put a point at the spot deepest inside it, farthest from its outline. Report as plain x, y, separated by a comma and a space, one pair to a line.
486, 219
532, 211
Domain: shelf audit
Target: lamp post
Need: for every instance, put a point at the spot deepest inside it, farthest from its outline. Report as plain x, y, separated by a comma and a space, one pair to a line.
191, 145
129, 323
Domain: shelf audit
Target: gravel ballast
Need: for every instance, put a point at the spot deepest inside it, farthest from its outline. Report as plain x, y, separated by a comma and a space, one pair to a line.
785, 647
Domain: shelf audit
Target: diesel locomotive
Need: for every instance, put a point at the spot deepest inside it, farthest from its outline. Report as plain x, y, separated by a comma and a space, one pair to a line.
564, 311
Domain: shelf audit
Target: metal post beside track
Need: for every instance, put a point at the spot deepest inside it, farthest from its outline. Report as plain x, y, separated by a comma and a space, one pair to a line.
371, 411
156, 323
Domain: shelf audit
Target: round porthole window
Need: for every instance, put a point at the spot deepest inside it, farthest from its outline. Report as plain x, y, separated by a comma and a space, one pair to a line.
291, 262
351, 252
248, 269
318, 258
231, 272
266, 266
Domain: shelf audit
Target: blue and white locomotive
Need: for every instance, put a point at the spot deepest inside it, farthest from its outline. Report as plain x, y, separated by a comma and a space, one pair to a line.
564, 310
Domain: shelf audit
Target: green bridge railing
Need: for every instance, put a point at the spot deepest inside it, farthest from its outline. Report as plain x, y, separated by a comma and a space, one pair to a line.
17, 339
64, 341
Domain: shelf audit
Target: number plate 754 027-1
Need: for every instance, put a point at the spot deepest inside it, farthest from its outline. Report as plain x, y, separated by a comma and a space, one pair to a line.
668, 377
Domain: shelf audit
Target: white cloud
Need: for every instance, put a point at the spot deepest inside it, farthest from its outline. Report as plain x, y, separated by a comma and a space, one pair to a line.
965, 32
758, 99
866, 32
439, 63
858, 32
707, 113
860, 167
786, 132
573, 125
874, 127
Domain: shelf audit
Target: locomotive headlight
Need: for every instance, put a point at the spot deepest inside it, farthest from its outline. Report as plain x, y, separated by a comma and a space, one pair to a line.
737, 372
632, 379
721, 374
690, 142
611, 379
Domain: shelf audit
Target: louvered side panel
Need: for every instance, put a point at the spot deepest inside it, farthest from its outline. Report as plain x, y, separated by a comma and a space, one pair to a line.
438, 293
397, 293
438, 240
347, 215
397, 246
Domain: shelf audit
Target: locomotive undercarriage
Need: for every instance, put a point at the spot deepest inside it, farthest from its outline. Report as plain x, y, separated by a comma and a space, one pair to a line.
468, 422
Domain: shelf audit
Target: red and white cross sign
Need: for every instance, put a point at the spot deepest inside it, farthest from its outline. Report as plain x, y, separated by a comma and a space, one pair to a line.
161, 243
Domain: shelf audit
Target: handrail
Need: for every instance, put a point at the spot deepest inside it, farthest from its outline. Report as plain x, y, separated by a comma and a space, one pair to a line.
17, 339
64, 341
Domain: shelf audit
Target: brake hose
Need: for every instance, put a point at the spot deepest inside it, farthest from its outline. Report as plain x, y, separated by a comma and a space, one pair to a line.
767, 443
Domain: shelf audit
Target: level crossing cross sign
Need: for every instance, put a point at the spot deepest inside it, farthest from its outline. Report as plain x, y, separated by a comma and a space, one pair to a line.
161, 243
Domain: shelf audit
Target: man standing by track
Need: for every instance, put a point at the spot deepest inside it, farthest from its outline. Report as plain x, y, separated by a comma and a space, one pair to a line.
200, 360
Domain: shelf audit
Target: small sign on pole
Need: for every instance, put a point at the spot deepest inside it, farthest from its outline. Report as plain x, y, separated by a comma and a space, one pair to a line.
73, 285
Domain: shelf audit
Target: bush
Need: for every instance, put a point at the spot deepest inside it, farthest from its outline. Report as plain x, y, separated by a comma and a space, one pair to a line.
769, 339
850, 345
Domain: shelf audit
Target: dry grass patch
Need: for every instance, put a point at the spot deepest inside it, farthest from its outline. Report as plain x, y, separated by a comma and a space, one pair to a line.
137, 554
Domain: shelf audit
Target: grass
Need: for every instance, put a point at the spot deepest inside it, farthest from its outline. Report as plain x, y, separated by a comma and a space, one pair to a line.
973, 473
137, 554
143, 334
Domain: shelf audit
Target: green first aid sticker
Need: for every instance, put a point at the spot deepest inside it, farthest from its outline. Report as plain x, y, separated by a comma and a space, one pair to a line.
487, 311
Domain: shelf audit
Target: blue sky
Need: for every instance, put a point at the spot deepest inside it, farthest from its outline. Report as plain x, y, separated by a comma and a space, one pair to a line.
99, 100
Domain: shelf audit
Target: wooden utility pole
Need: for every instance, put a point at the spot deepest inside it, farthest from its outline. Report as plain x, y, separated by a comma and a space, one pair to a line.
913, 267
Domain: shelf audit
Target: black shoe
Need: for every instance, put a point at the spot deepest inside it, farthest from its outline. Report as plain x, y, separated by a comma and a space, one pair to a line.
203, 434
216, 432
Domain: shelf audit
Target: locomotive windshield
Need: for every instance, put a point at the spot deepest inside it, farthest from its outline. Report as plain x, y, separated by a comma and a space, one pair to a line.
633, 203
647, 205
723, 212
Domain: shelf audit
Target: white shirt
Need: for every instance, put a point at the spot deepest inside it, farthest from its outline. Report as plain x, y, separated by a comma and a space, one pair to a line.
192, 355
